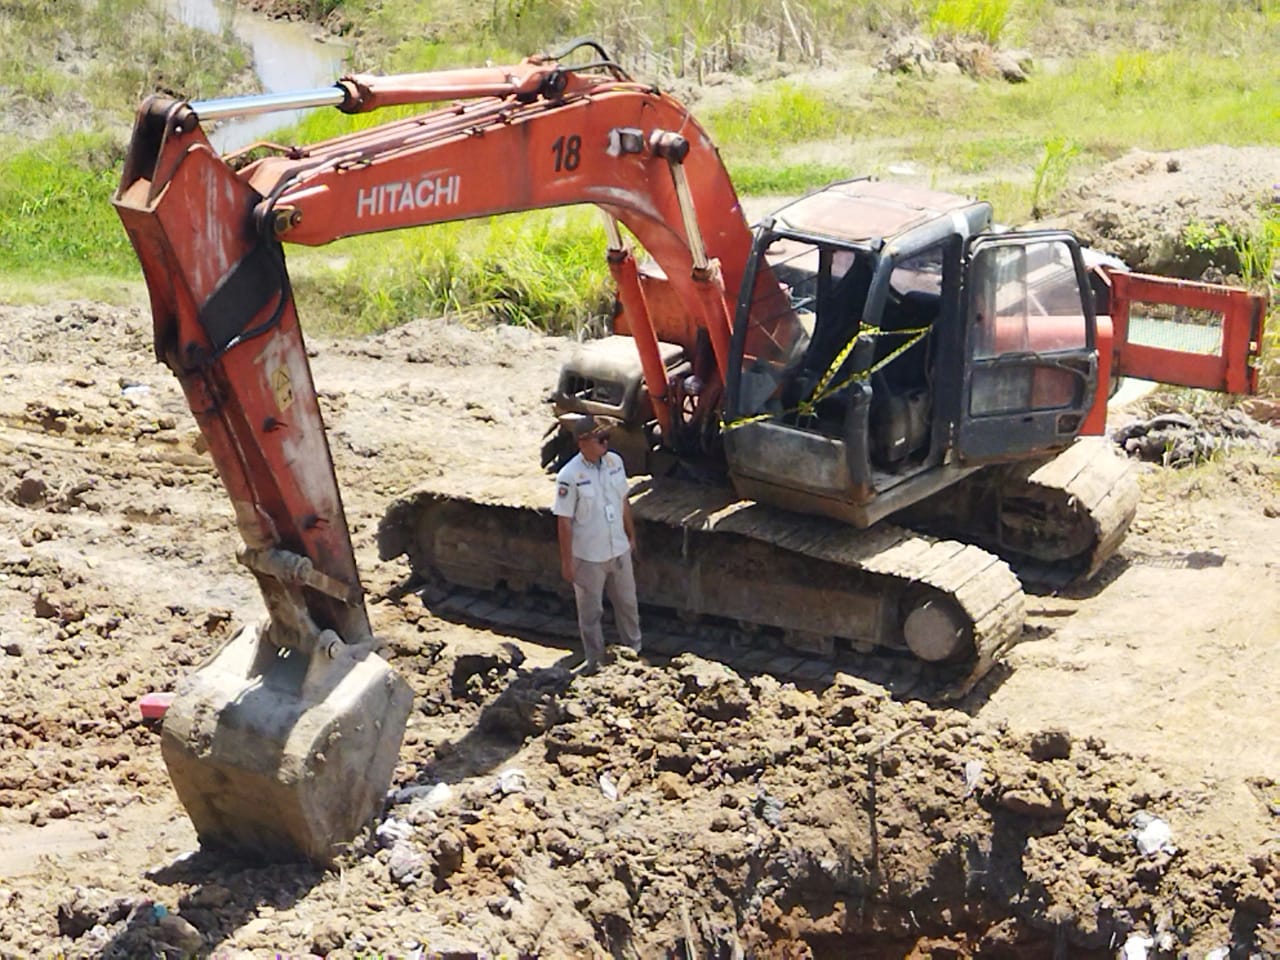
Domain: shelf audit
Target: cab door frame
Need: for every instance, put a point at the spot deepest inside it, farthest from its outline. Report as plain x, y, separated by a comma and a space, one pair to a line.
1030, 345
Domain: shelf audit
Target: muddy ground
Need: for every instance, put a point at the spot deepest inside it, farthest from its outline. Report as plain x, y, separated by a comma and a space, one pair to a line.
1113, 783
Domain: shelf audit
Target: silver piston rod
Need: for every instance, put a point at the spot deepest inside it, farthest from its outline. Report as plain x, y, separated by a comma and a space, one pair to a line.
256, 104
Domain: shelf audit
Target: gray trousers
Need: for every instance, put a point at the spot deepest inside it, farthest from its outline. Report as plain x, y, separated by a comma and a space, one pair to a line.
590, 581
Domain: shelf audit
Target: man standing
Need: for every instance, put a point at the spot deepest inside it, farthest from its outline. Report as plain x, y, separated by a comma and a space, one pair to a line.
597, 537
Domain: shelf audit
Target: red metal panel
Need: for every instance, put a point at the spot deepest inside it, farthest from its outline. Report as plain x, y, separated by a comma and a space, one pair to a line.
1095, 423
622, 267
1231, 369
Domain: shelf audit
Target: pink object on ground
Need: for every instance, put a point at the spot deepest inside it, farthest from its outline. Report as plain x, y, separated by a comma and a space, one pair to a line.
154, 705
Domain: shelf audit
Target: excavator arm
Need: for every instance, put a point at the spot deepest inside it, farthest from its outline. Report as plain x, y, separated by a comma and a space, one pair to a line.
208, 231
534, 136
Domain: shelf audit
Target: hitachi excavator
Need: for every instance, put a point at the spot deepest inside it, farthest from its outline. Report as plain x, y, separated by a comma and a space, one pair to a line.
884, 399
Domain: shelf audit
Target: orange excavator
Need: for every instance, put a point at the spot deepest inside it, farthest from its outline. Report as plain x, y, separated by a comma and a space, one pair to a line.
884, 399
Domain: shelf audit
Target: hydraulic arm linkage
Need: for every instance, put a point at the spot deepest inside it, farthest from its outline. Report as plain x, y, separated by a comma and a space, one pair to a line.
302, 710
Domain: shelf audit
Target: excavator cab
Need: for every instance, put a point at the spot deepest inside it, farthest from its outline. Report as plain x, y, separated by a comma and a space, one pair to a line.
915, 345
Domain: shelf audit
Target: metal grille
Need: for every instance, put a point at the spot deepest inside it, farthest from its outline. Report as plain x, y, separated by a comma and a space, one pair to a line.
1186, 329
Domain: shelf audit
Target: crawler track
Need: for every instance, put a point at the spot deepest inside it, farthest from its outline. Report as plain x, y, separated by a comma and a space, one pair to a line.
742, 572
1094, 492
1054, 521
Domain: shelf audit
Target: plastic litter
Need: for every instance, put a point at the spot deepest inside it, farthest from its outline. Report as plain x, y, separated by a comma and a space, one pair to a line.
392, 831
512, 781
154, 706
439, 795
608, 787
972, 774
436, 795
1152, 835
1136, 947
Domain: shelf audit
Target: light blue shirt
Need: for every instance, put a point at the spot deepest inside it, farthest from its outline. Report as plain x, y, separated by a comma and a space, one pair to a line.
593, 495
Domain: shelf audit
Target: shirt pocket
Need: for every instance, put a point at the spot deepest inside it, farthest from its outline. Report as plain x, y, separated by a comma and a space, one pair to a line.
586, 504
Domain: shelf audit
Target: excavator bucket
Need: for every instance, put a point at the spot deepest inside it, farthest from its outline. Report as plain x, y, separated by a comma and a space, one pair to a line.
276, 755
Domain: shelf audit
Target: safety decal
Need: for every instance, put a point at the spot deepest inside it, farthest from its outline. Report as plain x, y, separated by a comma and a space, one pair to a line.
282, 387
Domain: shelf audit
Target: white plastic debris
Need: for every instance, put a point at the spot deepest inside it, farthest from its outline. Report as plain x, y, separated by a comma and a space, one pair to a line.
972, 774
436, 795
1136, 947
1218, 953
512, 780
439, 795
392, 830
608, 787
1152, 835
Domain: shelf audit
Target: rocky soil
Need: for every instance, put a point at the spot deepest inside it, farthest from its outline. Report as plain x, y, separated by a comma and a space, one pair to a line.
1114, 786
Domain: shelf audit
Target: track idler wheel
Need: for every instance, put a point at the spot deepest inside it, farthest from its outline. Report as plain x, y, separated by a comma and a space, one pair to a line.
937, 631
277, 755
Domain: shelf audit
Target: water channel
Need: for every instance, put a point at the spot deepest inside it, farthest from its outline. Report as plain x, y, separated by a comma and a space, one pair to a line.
286, 56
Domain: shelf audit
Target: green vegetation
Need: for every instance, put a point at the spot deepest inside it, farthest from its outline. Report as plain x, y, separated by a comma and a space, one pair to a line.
985, 19
656, 39
1051, 171
1255, 252
71, 72
57, 222
538, 270
1252, 251
1157, 74
766, 180
780, 115
1020, 131
58, 55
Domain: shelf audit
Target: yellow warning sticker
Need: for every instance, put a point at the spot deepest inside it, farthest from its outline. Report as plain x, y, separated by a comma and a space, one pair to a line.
282, 387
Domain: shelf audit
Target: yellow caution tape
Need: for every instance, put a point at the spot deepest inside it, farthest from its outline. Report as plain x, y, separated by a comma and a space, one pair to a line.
807, 408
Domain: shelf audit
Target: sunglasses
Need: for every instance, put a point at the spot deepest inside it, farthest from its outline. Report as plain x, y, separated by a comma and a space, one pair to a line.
600, 438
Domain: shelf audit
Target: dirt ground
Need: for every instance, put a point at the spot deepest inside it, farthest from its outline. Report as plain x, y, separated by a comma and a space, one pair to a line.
680, 808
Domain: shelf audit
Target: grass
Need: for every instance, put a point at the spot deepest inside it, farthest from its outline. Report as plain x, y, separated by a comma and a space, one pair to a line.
62, 56
781, 114
1078, 117
1016, 145
74, 70
543, 269
662, 40
767, 179
1252, 250
58, 220
1051, 171
984, 19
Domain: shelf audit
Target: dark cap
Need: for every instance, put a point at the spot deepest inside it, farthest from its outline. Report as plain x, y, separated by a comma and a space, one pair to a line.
583, 425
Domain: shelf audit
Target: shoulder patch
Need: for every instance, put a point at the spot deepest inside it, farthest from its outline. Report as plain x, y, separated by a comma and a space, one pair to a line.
562, 490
